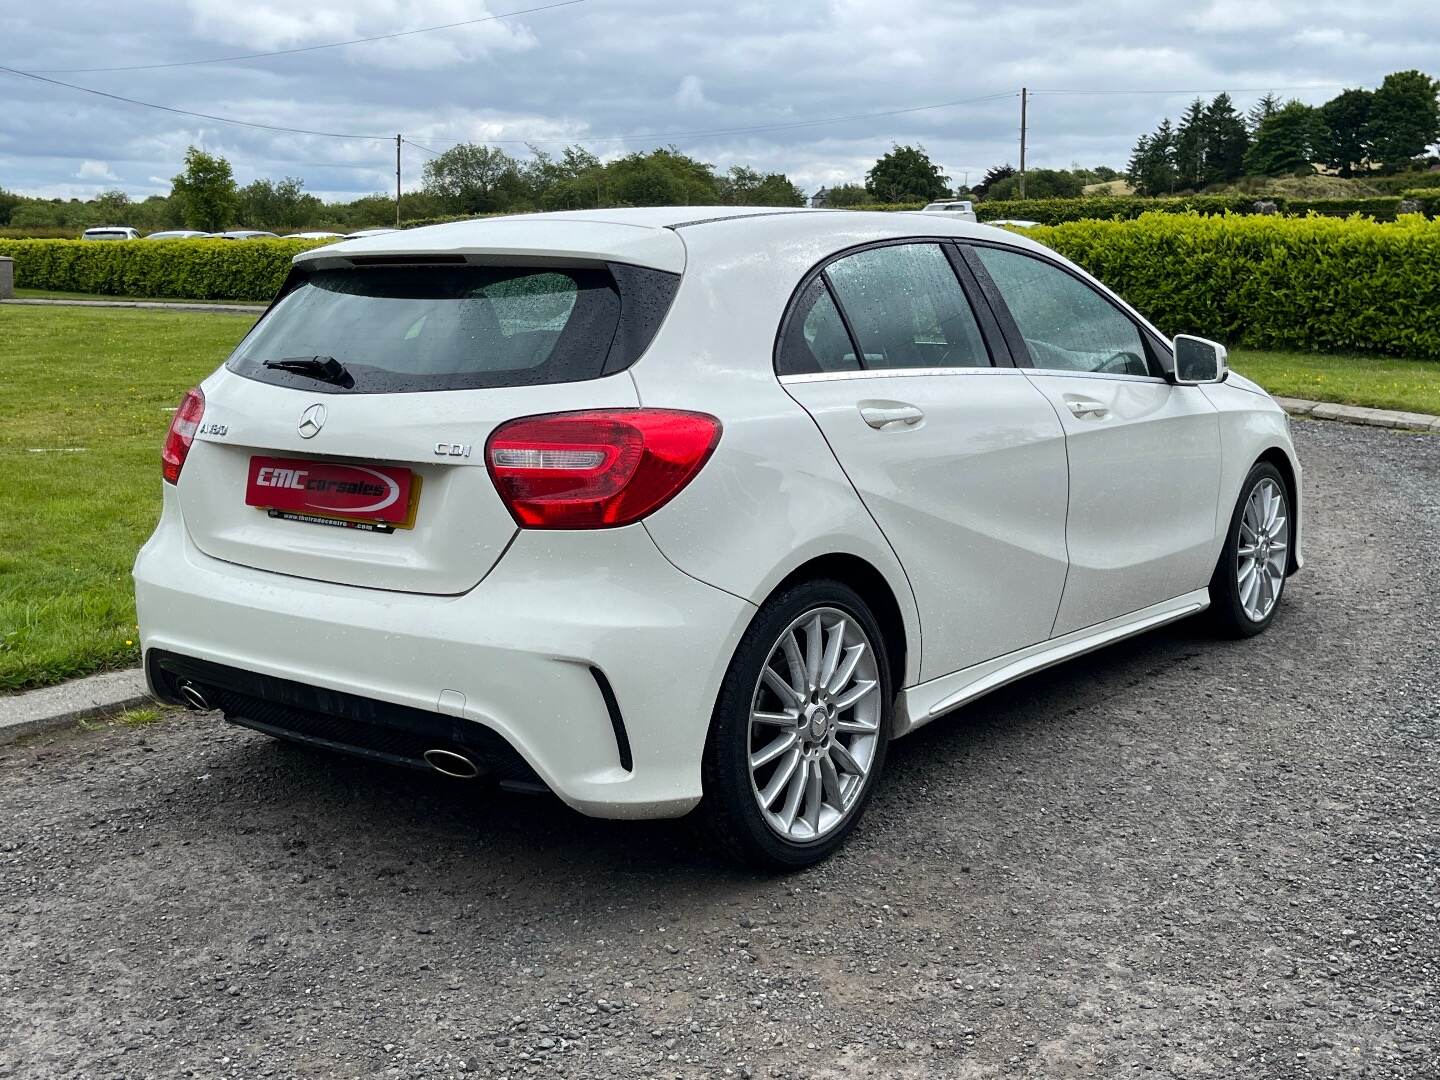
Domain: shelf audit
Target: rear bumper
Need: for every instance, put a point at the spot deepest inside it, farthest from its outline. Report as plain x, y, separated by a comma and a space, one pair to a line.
516, 656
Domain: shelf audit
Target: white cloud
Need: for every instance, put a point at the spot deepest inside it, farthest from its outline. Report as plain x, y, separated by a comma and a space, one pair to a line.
95, 170
691, 94
264, 25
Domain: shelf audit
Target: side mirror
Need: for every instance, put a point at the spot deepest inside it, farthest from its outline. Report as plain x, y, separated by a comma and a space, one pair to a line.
1198, 360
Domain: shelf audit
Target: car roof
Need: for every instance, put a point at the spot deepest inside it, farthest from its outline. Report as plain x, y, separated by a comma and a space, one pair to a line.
648, 236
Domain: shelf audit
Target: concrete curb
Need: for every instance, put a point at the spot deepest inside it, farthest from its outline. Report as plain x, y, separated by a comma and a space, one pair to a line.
61, 706
1355, 414
152, 305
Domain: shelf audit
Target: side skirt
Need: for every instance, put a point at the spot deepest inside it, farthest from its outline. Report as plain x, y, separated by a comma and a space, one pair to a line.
920, 704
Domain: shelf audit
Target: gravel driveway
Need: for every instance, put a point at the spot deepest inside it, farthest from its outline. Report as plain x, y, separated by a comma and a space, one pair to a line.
1179, 857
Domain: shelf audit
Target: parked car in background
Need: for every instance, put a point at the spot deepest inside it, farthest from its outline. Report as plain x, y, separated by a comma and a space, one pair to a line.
314, 236
246, 234
962, 209
178, 234
110, 232
654, 508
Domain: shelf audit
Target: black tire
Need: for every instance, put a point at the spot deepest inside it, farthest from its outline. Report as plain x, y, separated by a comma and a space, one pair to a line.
729, 813
1228, 613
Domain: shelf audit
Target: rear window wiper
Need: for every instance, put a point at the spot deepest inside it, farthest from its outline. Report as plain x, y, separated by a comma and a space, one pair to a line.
324, 368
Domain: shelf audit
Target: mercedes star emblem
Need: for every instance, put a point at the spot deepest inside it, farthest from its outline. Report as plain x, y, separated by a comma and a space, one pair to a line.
312, 420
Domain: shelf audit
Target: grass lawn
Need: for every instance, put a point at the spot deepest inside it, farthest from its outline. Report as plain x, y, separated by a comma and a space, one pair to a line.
91, 387
51, 294
85, 399
1379, 382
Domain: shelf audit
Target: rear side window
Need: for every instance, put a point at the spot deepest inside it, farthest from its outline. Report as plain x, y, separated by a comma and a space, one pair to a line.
815, 337
907, 309
413, 328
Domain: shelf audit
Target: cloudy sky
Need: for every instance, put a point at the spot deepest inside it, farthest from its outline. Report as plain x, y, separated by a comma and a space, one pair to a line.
654, 72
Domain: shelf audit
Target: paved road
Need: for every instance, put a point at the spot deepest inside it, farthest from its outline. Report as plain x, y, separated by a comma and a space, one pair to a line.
1179, 857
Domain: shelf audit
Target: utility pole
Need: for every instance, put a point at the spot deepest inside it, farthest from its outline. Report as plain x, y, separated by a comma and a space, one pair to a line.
397, 181
1024, 98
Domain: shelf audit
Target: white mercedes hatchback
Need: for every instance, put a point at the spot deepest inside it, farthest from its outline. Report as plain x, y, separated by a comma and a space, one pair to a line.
673, 510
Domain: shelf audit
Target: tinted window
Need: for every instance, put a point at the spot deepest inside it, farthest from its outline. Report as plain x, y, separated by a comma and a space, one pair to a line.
438, 328
1066, 324
907, 309
815, 337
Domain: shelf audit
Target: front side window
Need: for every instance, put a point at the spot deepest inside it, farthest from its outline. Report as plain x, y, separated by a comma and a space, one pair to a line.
907, 309
1067, 325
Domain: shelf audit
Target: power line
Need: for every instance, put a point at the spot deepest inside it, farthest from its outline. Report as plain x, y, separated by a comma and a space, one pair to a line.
1247, 90
310, 48
187, 112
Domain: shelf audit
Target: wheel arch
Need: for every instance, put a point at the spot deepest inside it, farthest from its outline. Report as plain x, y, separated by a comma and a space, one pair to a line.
873, 588
1276, 456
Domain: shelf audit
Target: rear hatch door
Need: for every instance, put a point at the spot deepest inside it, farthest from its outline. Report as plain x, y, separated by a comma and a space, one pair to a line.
377, 478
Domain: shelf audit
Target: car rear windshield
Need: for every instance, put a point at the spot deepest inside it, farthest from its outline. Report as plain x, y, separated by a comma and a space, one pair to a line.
413, 328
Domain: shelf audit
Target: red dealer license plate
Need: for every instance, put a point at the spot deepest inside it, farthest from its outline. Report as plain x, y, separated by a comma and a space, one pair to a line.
374, 497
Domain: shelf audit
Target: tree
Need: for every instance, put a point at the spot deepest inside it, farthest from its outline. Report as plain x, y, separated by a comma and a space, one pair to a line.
906, 174
264, 204
153, 213
1287, 141
663, 177
1226, 141
842, 195
1347, 123
1404, 118
205, 191
993, 175
743, 186
1261, 111
574, 181
110, 208
8, 202
1039, 184
1192, 146
1152, 163
472, 179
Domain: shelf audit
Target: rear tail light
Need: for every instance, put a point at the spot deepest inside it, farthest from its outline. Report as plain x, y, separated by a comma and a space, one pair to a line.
182, 433
598, 469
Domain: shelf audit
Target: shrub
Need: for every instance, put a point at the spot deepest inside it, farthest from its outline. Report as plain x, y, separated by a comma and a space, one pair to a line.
1320, 283
185, 269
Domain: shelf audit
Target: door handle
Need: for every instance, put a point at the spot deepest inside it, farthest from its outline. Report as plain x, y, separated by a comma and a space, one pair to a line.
1083, 407
891, 414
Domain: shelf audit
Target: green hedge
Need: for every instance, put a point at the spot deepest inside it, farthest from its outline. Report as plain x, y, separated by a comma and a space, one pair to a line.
1404, 181
1318, 283
1102, 207
184, 269
1379, 207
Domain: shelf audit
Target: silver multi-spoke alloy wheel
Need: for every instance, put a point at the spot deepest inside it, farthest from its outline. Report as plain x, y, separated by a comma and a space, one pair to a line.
1262, 549
814, 725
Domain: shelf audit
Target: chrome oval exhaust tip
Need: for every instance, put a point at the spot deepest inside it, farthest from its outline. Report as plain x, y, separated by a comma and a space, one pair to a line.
452, 764
191, 695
